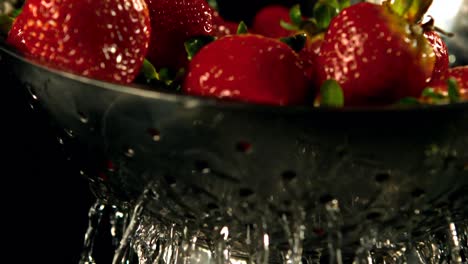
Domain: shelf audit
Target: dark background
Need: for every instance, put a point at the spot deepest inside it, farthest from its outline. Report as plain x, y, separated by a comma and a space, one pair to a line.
46, 201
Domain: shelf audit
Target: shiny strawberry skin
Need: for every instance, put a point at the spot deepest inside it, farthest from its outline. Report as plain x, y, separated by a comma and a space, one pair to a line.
369, 52
173, 22
460, 73
309, 56
104, 40
249, 68
267, 21
442, 56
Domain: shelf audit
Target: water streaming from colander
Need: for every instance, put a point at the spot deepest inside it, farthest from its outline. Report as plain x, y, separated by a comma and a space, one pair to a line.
95, 217
141, 237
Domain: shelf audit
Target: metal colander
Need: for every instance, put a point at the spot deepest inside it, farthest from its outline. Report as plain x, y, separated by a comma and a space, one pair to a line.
267, 184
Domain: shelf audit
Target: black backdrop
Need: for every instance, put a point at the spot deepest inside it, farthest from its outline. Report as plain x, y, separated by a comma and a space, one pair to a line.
45, 201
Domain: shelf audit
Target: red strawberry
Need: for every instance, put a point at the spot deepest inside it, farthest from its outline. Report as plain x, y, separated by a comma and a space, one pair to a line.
105, 40
309, 56
442, 56
249, 68
267, 21
376, 56
222, 27
173, 22
460, 74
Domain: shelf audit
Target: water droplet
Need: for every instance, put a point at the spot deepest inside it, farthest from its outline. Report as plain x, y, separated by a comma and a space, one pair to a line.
130, 153
83, 118
155, 134
32, 91
69, 133
452, 59
202, 166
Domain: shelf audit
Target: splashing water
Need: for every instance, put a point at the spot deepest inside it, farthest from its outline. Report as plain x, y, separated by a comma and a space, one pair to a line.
95, 217
335, 235
140, 237
118, 221
123, 252
294, 231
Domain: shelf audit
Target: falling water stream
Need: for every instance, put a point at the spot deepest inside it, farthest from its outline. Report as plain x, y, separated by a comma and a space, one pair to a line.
142, 238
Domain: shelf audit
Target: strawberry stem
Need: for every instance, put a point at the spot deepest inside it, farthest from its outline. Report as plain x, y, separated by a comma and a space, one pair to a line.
288, 26
429, 26
411, 10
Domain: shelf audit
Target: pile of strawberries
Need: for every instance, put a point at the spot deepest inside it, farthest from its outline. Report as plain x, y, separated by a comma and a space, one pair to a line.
344, 55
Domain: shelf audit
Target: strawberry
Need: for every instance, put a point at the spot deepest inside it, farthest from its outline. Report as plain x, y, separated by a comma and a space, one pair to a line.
267, 21
249, 68
173, 22
460, 74
439, 46
105, 40
309, 56
223, 27
376, 54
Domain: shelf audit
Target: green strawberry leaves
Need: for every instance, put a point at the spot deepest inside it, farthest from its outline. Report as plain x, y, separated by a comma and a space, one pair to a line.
431, 96
331, 94
322, 14
295, 15
6, 21
325, 10
213, 4
296, 42
453, 90
411, 10
242, 28
16, 12
193, 45
5, 24
149, 71
165, 78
